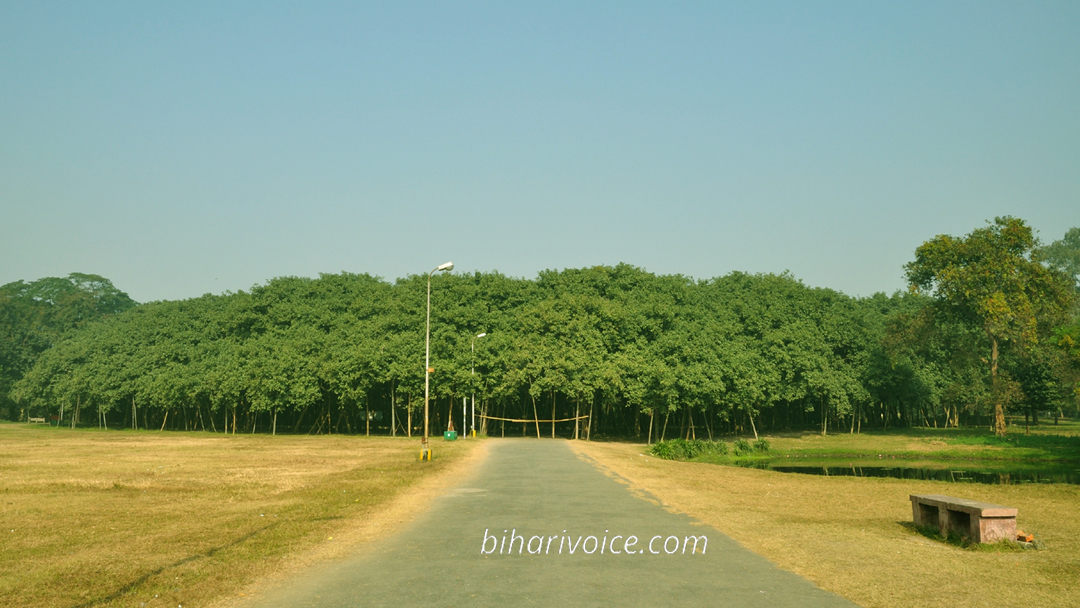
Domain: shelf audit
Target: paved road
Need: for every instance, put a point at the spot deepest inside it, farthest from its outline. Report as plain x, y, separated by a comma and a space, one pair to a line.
540, 491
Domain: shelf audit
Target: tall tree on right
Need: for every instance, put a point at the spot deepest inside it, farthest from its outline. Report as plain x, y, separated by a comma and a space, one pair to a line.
993, 279
1065, 255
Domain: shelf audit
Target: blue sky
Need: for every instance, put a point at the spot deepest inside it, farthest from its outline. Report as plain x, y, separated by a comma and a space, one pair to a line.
186, 148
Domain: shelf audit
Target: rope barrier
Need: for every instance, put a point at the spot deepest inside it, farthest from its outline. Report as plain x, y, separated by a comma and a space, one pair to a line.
532, 419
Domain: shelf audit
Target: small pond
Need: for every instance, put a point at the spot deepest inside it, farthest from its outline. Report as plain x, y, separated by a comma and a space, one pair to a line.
968, 472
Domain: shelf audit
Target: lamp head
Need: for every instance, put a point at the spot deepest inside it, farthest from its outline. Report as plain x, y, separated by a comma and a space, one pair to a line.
446, 266
481, 335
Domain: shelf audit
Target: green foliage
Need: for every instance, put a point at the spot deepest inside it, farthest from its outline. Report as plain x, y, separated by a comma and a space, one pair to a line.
683, 449
742, 447
1064, 255
37, 315
762, 445
994, 283
993, 279
637, 352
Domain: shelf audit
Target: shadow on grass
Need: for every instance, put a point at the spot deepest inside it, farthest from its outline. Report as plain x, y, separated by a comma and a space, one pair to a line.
132, 586
962, 542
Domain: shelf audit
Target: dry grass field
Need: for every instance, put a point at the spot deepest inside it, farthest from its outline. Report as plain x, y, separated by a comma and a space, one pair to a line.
853, 535
145, 519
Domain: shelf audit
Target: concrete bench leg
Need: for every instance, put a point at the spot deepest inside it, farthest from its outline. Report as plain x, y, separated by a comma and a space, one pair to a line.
995, 529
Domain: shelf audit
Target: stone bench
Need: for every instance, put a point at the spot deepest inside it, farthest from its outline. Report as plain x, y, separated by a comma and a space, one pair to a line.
980, 522
38, 420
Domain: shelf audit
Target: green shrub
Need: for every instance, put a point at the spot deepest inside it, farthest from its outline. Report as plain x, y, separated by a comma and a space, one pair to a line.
682, 449
663, 449
762, 445
742, 447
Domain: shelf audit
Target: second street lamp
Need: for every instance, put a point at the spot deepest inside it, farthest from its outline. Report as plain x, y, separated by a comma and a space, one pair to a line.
472, 361
425, 451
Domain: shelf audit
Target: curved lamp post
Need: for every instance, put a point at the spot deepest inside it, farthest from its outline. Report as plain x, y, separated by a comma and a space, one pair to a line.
472, 361
425, 451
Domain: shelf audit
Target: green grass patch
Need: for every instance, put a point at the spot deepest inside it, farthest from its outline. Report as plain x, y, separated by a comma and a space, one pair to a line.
1069, 442
959, 449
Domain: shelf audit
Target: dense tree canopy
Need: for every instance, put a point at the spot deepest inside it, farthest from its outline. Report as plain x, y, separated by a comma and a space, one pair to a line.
610, 350
36, 315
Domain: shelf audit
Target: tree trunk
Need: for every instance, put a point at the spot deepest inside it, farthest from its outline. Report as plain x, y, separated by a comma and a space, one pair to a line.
588, 428
299, 421
552, 414
536, 417
999, 410
651, 416
577, 409
824, 418
753, 426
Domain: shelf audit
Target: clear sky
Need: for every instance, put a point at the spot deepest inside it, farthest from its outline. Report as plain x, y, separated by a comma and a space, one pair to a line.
183, 148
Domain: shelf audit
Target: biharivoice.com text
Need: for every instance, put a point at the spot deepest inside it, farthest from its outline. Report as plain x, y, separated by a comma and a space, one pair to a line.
510, 542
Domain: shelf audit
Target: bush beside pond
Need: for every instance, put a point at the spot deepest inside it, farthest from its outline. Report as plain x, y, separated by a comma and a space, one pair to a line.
688, 449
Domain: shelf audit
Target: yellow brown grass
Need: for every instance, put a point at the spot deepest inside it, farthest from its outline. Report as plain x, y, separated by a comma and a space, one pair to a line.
161, 519
853, 535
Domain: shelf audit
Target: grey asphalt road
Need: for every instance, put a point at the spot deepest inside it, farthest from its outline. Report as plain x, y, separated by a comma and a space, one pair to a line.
579, 538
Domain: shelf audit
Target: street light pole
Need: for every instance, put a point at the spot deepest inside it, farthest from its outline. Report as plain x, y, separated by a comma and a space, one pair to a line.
425, 451
472, 361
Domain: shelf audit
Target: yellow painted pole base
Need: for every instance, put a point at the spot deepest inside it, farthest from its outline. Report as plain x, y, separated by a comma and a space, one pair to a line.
425, 454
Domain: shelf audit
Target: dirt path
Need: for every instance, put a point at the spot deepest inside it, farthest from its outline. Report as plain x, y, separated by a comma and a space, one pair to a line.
579, 538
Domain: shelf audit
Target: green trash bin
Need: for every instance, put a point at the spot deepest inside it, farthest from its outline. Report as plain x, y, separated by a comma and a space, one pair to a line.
450, 435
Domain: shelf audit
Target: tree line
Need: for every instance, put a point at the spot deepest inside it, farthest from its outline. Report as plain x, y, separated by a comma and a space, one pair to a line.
989, 326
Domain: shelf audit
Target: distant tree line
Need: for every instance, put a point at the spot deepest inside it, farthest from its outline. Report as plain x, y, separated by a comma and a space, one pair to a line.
990, 325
